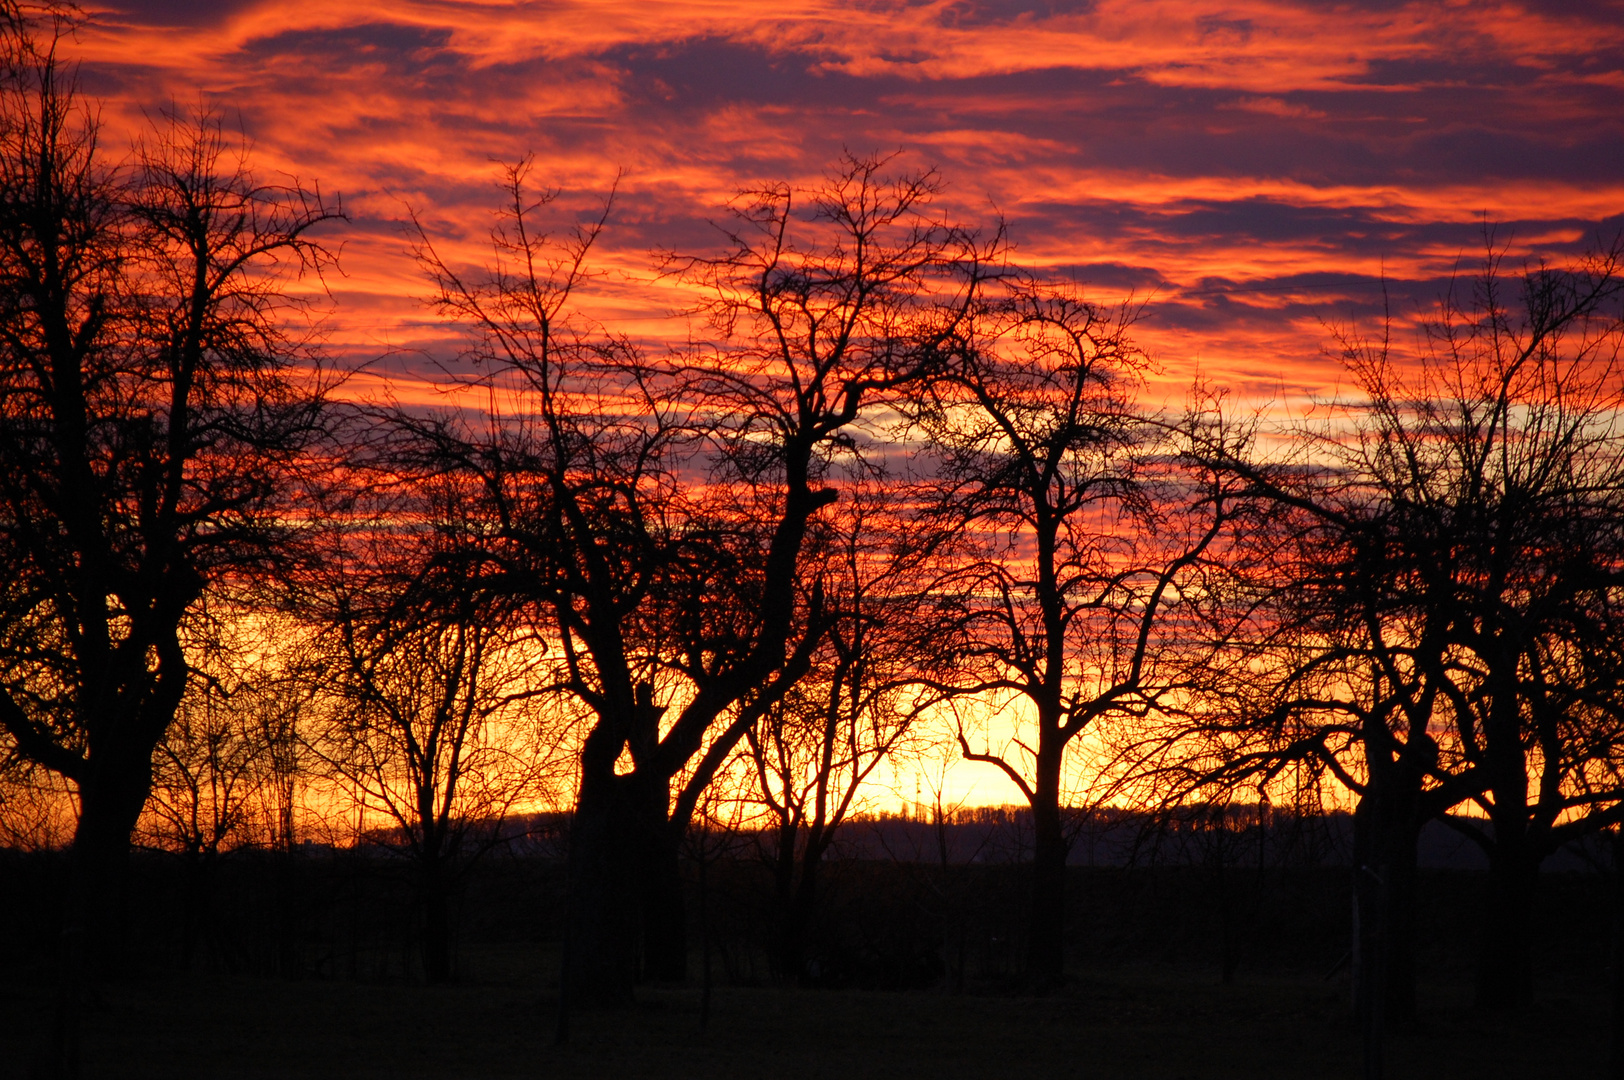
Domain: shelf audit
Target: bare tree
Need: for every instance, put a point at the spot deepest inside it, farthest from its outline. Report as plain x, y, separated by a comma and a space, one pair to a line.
1083, 593
224, 776
153, 408
814, 751
656, 513
423, 683
578, 466
1449, 630
204, 778
278, 704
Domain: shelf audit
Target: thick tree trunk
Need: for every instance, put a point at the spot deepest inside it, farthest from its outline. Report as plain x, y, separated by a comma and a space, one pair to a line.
704, 940
797, 915
111, 800
1400, 909
796, 888
1372, 909
1505, 969
600, 939
626, 901
787, 955
436, 939
1616, 974
664, 908
1505, 973
1403, 816
1387, 829
1046, 935
1369, 973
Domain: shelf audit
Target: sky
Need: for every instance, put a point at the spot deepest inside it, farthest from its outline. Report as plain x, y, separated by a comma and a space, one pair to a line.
1255, 171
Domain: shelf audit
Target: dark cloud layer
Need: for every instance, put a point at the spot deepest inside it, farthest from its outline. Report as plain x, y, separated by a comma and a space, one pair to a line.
1257, 168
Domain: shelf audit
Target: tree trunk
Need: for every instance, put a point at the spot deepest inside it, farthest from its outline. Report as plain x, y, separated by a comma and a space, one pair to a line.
436, 942
1387, 830
1371, 910
1400, 877
111, 800
798, 917
1505, 971
1616, 974
1505, 975
1404, 815
600, 937
1046, 936
787, 955
664, 908
704, 940
797, 895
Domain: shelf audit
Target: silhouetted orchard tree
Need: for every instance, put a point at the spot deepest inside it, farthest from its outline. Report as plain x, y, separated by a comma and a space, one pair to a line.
1332, 667
817, 747
229, 771
225, 775
220, 773
278, 699
656, 512
421, 681
1084, 592
208, 774
1452, 631
154, 407
577, 466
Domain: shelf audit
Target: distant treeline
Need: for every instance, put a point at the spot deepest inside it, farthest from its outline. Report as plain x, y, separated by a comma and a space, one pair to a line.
891, 915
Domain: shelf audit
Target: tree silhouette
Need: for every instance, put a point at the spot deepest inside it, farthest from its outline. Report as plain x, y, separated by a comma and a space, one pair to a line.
680, 609
1448, 628
420, 680
816, 749
152, 416
1083, 595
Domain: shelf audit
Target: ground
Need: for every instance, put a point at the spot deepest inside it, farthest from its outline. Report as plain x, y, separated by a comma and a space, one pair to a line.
1144, 1023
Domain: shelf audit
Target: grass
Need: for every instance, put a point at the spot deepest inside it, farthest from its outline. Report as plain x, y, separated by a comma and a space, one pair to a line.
1133, 1024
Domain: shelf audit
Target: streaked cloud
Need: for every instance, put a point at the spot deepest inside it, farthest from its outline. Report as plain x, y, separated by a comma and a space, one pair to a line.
1258, 169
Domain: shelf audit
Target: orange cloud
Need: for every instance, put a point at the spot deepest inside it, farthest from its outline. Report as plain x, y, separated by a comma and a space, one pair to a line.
1257, 167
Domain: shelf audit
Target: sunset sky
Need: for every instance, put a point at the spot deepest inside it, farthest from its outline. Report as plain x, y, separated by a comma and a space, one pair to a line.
1250, 168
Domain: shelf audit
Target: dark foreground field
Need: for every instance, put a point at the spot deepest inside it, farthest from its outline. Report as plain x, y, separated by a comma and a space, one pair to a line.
307, 966
498, 1022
